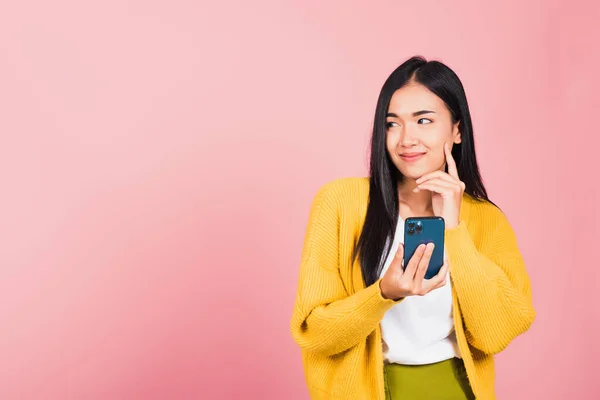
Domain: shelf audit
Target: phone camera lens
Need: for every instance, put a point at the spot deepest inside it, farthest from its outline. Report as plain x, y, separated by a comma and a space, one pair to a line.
419, 228
411, 224
411, 231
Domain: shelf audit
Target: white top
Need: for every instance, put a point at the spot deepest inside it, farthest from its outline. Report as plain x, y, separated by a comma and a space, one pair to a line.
419, 329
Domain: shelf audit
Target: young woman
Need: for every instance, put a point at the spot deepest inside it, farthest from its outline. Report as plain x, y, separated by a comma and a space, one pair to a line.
371, 328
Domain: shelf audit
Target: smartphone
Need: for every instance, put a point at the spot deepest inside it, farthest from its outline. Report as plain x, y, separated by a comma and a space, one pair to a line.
423, 230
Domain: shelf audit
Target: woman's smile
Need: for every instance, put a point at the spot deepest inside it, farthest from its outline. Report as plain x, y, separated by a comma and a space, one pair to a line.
411, 157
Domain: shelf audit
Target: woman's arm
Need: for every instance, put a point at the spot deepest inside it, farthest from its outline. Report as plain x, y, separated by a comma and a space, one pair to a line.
326, 319
492, 285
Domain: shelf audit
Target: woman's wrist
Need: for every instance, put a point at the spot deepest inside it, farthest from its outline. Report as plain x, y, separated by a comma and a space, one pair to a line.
382, 291
384, 295
451, 224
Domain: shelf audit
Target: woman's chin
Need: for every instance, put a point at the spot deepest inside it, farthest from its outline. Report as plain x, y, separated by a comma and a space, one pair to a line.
414, 173
406, 177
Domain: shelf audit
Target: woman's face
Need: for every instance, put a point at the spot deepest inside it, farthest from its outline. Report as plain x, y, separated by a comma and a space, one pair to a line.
418, 124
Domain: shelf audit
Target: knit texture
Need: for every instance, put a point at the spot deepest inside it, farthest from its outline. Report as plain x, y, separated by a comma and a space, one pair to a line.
335, 319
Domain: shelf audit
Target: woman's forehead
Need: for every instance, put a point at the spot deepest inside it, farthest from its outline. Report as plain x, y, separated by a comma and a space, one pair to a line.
413, 98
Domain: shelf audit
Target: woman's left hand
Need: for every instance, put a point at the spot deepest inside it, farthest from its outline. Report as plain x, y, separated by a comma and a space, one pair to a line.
447, 191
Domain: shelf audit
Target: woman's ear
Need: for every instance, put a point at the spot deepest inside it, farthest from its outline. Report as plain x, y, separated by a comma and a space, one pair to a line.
456, 136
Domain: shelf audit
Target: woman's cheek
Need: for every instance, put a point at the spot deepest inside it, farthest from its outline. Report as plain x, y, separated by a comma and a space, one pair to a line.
392, 139
439, 161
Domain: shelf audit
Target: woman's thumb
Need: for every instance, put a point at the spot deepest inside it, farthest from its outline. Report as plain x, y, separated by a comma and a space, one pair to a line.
398, 258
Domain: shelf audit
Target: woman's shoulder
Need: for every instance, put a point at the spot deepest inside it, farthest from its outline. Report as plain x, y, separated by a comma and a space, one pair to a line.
347, 196
344, 190
484, 213
346, 184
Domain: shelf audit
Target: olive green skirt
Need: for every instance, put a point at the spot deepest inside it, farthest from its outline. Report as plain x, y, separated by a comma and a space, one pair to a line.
445, 380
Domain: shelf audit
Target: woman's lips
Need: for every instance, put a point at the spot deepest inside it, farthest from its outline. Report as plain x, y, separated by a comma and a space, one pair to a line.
411, 157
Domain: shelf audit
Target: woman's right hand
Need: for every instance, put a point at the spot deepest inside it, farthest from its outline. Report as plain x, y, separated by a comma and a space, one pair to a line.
401, 282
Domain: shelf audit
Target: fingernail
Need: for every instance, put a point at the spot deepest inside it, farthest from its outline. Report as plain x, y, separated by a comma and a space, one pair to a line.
415, 190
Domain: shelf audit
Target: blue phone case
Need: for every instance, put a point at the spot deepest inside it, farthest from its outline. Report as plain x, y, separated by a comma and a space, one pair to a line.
418, 230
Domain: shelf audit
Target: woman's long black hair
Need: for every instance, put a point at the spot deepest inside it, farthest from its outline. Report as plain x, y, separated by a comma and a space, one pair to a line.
383, 209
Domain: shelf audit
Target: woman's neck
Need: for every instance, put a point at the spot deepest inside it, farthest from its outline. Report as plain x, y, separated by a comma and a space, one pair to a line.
411, 203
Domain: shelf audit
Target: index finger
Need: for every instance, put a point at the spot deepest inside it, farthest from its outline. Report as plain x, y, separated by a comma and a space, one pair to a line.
452, 170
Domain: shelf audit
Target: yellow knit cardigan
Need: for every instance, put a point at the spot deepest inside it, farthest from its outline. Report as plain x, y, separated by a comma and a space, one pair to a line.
336, 318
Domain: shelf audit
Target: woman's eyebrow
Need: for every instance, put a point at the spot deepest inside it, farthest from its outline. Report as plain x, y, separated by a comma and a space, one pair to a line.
415, 114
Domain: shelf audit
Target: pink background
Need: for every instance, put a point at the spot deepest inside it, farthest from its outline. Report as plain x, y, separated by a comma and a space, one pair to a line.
158, 160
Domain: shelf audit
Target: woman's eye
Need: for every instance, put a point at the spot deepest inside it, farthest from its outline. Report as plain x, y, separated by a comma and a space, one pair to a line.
389, 124
425, 119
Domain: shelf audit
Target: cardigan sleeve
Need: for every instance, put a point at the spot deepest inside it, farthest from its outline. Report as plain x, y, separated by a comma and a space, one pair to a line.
492, 285
326, 319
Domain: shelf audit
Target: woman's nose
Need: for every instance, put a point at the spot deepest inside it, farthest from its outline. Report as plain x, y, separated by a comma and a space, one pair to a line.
407, 137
